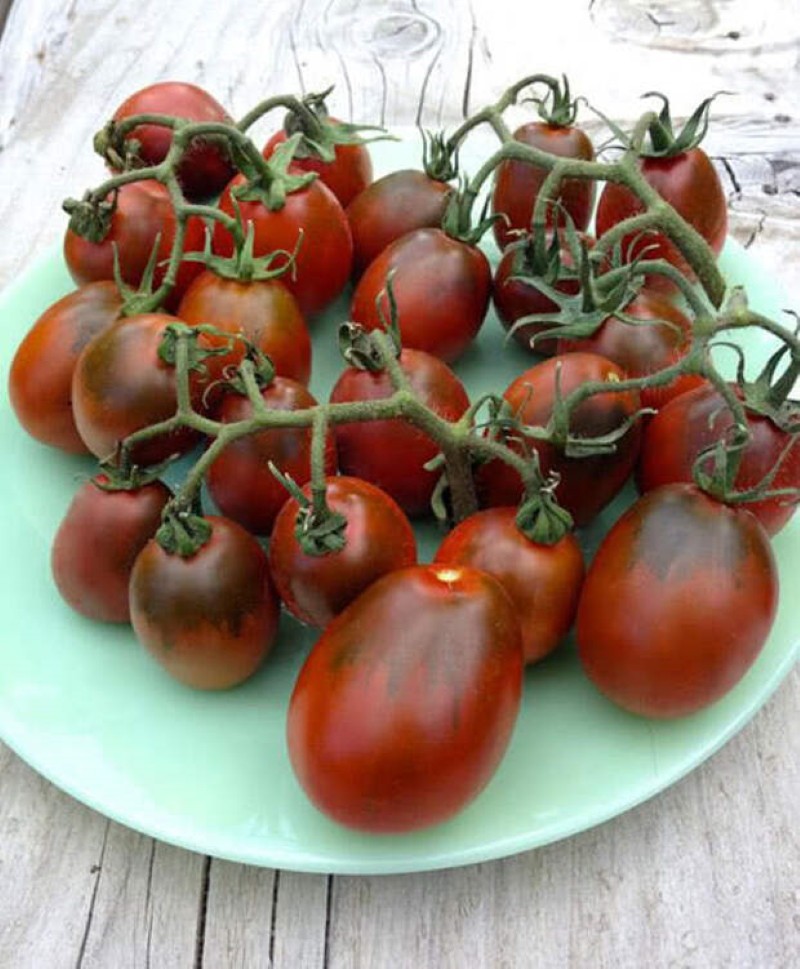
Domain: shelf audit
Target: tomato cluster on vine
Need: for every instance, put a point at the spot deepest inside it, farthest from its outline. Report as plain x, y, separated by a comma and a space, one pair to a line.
203, 264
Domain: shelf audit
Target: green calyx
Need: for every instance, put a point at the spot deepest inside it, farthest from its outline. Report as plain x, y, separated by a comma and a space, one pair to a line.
357, 345
457, 221
320, 134
88, 218
664, 142
439, 156
270, 181
319, 529
178, 333
539, 517
183, 531
122, 477
556, 108
243, 265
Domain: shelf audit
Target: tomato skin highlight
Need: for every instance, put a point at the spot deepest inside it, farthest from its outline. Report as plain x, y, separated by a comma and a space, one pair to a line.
262, 311
40, 378
677, 603
694, 421
543, 581
370, 450
205, 168
441, 286
517, 184
406, 704
97, 543
378, 539
389, 208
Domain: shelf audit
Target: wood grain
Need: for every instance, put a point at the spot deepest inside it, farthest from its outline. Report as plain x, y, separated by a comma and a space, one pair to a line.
706, 875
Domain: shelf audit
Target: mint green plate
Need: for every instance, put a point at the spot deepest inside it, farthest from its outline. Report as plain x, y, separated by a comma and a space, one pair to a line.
85, 706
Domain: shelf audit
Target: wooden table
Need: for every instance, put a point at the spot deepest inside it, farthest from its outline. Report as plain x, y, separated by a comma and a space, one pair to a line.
705, 875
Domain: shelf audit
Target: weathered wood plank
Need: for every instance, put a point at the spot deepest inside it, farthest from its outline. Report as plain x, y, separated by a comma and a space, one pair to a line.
239, 928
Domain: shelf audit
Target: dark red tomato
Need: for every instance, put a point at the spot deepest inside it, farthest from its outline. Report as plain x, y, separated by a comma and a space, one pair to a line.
543, 581
97, 543
644, 349
40, 379
325, 256
209, 619
378, 539
262, 311
517, 183
346, 176
515, 298
392, 454
143, 211
587, 483
689, 182
121, 385
695, 421
441, 286
240, 481
392, 206
406, 704
205, 168
677, 603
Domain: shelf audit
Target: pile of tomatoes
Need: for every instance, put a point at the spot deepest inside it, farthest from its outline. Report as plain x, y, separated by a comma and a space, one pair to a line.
404, 707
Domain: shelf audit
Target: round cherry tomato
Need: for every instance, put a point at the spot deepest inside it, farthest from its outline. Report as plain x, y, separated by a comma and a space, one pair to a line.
121, 385
392, 206
143, 213
205, 168
346, 176
689, 182
262, 311
405, 705
98, 541
677, 603
441, 286
378, 539
40, 379
240, 481
392, 454
587, 484
325, 255
662, 339
211, 618
543, 581
695, 421
517, 183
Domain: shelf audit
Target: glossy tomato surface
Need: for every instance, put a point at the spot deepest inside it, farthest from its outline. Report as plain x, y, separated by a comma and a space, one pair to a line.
311, 217
543, 581
695, 421
40, 378
378, 539
392, 454
587, 484
677, 603
405, 705
98, 541
205, 168
441, 286
517, 183
392, 206
211, 618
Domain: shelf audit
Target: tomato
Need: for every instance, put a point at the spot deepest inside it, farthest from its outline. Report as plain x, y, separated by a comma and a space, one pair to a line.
693, 422
378, 539
209, 619
346, 176
40, 379
542, 581
517, 183
121, 385
392, 454
143, 212
262, 311
677, 603
690, 184
441, 286
325, 254
661, 340
587, 483
405, 705
392, 206
98, 541
240, 481
205, 168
